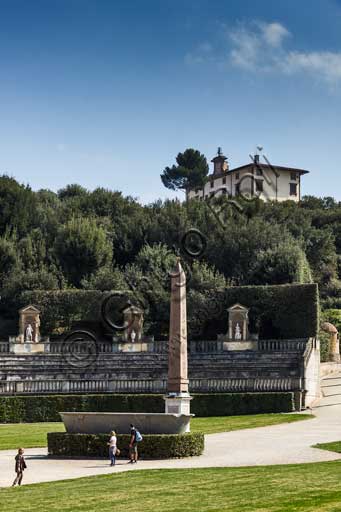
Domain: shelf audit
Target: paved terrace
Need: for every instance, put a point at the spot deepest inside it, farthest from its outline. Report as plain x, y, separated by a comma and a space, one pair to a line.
279, 444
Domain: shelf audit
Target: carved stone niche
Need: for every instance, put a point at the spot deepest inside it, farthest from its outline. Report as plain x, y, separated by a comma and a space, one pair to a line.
238, 336
238, 329
133, 317
29, 340
29, 323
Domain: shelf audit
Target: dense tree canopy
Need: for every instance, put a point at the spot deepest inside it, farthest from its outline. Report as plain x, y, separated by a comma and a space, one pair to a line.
102, 240
82, 248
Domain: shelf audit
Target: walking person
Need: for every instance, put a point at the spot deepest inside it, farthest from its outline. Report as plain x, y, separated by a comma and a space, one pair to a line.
20, 466
135, 438
112, 448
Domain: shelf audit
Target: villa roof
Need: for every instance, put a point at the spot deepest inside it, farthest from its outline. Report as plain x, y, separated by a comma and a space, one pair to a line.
252, 165
266, 166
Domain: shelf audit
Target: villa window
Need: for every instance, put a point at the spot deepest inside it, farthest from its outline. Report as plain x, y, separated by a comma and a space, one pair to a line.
293, 176
259, 185
237, 189
212, 184
293, 189
224, 181
237, 175
259, 171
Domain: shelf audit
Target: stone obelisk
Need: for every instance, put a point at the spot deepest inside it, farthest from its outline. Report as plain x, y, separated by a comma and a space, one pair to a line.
178, 398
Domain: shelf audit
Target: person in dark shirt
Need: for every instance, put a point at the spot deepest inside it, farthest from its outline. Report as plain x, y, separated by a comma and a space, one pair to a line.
20, 466
133, 445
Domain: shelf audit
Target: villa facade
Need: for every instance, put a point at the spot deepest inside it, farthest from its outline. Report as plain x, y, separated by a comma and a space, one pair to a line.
266, 181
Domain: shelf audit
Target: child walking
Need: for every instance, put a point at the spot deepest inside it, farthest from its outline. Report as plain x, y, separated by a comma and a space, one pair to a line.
20, 466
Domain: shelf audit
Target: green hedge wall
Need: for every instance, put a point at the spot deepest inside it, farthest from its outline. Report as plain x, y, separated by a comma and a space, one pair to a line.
234, 404
152, 447
46, 408
30, 409
276, 312
283, 311
61, 308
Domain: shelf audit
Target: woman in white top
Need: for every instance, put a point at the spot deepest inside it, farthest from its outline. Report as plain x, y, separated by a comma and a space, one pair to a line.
112, 447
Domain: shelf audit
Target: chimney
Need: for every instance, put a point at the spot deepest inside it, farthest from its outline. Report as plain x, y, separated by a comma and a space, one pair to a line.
220, 163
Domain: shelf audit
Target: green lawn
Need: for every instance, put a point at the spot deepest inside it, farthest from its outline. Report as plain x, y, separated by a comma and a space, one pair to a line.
32, 435
292, 488
27, 435
217, 424
331, 447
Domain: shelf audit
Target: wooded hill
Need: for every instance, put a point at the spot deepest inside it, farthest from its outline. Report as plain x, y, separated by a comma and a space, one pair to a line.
77, 239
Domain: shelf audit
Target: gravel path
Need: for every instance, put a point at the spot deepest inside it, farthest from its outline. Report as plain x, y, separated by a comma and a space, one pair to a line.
279, 444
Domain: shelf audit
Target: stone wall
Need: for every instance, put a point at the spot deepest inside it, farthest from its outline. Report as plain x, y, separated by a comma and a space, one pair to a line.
312, 377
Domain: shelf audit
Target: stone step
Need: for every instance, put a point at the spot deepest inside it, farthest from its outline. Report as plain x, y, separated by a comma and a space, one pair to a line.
151, 359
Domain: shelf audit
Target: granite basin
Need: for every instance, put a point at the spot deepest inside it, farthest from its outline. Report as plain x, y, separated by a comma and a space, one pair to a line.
146, 423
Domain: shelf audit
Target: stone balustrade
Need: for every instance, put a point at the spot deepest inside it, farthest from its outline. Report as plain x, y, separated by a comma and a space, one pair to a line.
4, 347
195, 347
205, 346
278, 365
147, 386
297, 345
59, 347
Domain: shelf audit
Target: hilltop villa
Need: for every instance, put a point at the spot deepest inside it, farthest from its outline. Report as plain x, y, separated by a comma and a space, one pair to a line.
267, 181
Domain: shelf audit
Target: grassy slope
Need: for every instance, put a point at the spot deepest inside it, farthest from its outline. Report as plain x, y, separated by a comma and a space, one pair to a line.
303, 488
31, 435
335, 446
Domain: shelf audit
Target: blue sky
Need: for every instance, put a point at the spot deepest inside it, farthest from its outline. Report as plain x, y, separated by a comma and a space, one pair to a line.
106, 93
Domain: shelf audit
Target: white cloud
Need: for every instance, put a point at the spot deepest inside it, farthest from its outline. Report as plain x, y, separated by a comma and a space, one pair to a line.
326, 65
247, 48
273, 33
260, 46
257, 44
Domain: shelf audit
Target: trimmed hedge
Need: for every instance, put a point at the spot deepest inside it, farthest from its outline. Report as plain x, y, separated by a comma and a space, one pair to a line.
45, 408
281, 311
61, 308
276, 312
234, 404
155, 446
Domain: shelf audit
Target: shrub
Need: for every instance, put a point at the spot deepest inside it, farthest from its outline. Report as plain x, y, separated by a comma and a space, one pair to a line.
333, 316
153, 446
30, 409
233, 404
324, 338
